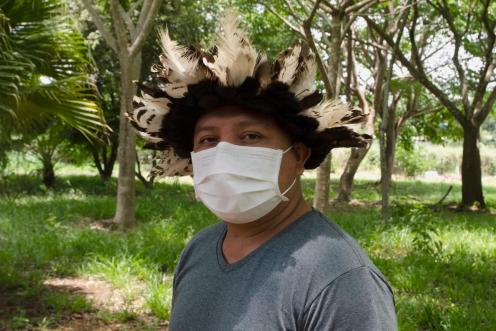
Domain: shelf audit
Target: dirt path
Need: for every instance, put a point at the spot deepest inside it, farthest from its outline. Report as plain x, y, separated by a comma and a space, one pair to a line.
73, 303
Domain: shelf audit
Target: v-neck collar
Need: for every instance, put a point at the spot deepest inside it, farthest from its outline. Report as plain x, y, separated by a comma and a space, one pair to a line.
227, 267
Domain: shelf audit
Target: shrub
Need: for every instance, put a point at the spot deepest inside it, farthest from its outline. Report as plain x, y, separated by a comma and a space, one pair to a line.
411, 163
421, 222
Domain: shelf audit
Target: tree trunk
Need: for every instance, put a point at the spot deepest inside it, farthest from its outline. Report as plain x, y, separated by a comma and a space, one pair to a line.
471, 169
321, 198
356, 157
126, 155
109, 160
48, 174
348, 175
105, 165
386, 143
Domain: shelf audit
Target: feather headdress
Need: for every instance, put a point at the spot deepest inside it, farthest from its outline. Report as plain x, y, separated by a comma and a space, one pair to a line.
233, 64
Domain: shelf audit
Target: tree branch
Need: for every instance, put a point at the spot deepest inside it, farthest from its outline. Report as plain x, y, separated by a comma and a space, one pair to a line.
490, 61
312, 13
119, 28
481, 115
144, 30
359, 91
291, 10
446, 14
285, 21
360, 6
143, 13
127, 19
303, 7
95, 17
133, 7
418, 74
311, 42
329, 5
354, 11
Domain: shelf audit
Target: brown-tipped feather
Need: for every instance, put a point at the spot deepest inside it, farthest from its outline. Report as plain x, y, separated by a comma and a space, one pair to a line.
159, 146
334, 138
355, 117
152, 91
263, 74
311, 100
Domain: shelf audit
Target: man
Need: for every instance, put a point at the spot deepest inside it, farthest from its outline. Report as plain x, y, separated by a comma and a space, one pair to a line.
249, 128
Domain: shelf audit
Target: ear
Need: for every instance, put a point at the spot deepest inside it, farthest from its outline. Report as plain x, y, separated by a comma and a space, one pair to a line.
302, 153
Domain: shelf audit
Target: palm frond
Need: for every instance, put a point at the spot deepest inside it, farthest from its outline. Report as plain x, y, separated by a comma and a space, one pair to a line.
37, 41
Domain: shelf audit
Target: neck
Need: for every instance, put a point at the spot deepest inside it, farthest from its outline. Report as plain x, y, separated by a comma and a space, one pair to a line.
242, 239
272, 223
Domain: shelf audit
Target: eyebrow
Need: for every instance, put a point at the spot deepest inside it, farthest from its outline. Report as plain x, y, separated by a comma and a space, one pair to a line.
205, 128
246, 123
241, 124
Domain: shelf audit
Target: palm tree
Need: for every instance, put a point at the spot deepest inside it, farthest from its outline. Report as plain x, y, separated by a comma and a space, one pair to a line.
43, 70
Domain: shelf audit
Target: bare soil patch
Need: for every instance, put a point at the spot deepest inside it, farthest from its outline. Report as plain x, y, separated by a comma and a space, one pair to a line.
108, 308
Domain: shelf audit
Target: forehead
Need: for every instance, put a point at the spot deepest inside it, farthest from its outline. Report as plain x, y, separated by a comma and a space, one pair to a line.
234, 117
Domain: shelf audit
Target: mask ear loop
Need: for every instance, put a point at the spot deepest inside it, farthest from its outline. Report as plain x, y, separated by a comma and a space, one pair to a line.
287, 190
292, 184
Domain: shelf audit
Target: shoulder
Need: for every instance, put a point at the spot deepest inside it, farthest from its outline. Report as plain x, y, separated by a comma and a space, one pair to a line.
322, 243
356, 300
200, 244
324, 253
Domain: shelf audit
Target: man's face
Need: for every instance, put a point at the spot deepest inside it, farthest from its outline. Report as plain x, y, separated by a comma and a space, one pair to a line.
240, 127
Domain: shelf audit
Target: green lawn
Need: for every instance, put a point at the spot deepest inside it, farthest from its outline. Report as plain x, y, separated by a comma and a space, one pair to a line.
56, 234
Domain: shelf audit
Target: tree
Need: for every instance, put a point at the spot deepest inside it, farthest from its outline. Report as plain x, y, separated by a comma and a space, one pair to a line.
470, 93
332, 22
352, 85
126, 38
50, 146
43, 71
408, 99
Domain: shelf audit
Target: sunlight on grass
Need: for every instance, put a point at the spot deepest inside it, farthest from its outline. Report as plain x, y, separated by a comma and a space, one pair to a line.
62, 233
137, 279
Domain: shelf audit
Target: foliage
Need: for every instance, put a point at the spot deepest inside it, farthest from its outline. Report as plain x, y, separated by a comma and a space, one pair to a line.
267, 32
412, 162
43, 69
422, 223
50, 147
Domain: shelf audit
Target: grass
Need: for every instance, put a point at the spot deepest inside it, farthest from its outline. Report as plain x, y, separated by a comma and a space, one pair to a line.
60, 233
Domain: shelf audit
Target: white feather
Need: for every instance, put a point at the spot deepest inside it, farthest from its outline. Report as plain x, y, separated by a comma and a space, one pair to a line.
171, 164
329, 113
289, 66
160, 105
176, 90
181, 68
236, 58
304, 85
149, 116
150, 138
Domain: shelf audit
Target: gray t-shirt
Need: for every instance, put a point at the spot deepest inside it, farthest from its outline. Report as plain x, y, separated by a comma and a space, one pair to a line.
310, 276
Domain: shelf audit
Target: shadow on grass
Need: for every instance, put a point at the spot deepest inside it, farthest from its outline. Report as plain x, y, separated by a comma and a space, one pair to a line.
31, 185
46, 233
32, 305
62, 307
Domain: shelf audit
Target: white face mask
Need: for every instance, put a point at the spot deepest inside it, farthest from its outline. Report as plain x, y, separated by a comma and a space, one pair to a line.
239, 184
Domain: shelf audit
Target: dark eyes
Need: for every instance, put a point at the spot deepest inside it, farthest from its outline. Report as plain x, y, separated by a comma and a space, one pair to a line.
247, 137
251, 136
207, 140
